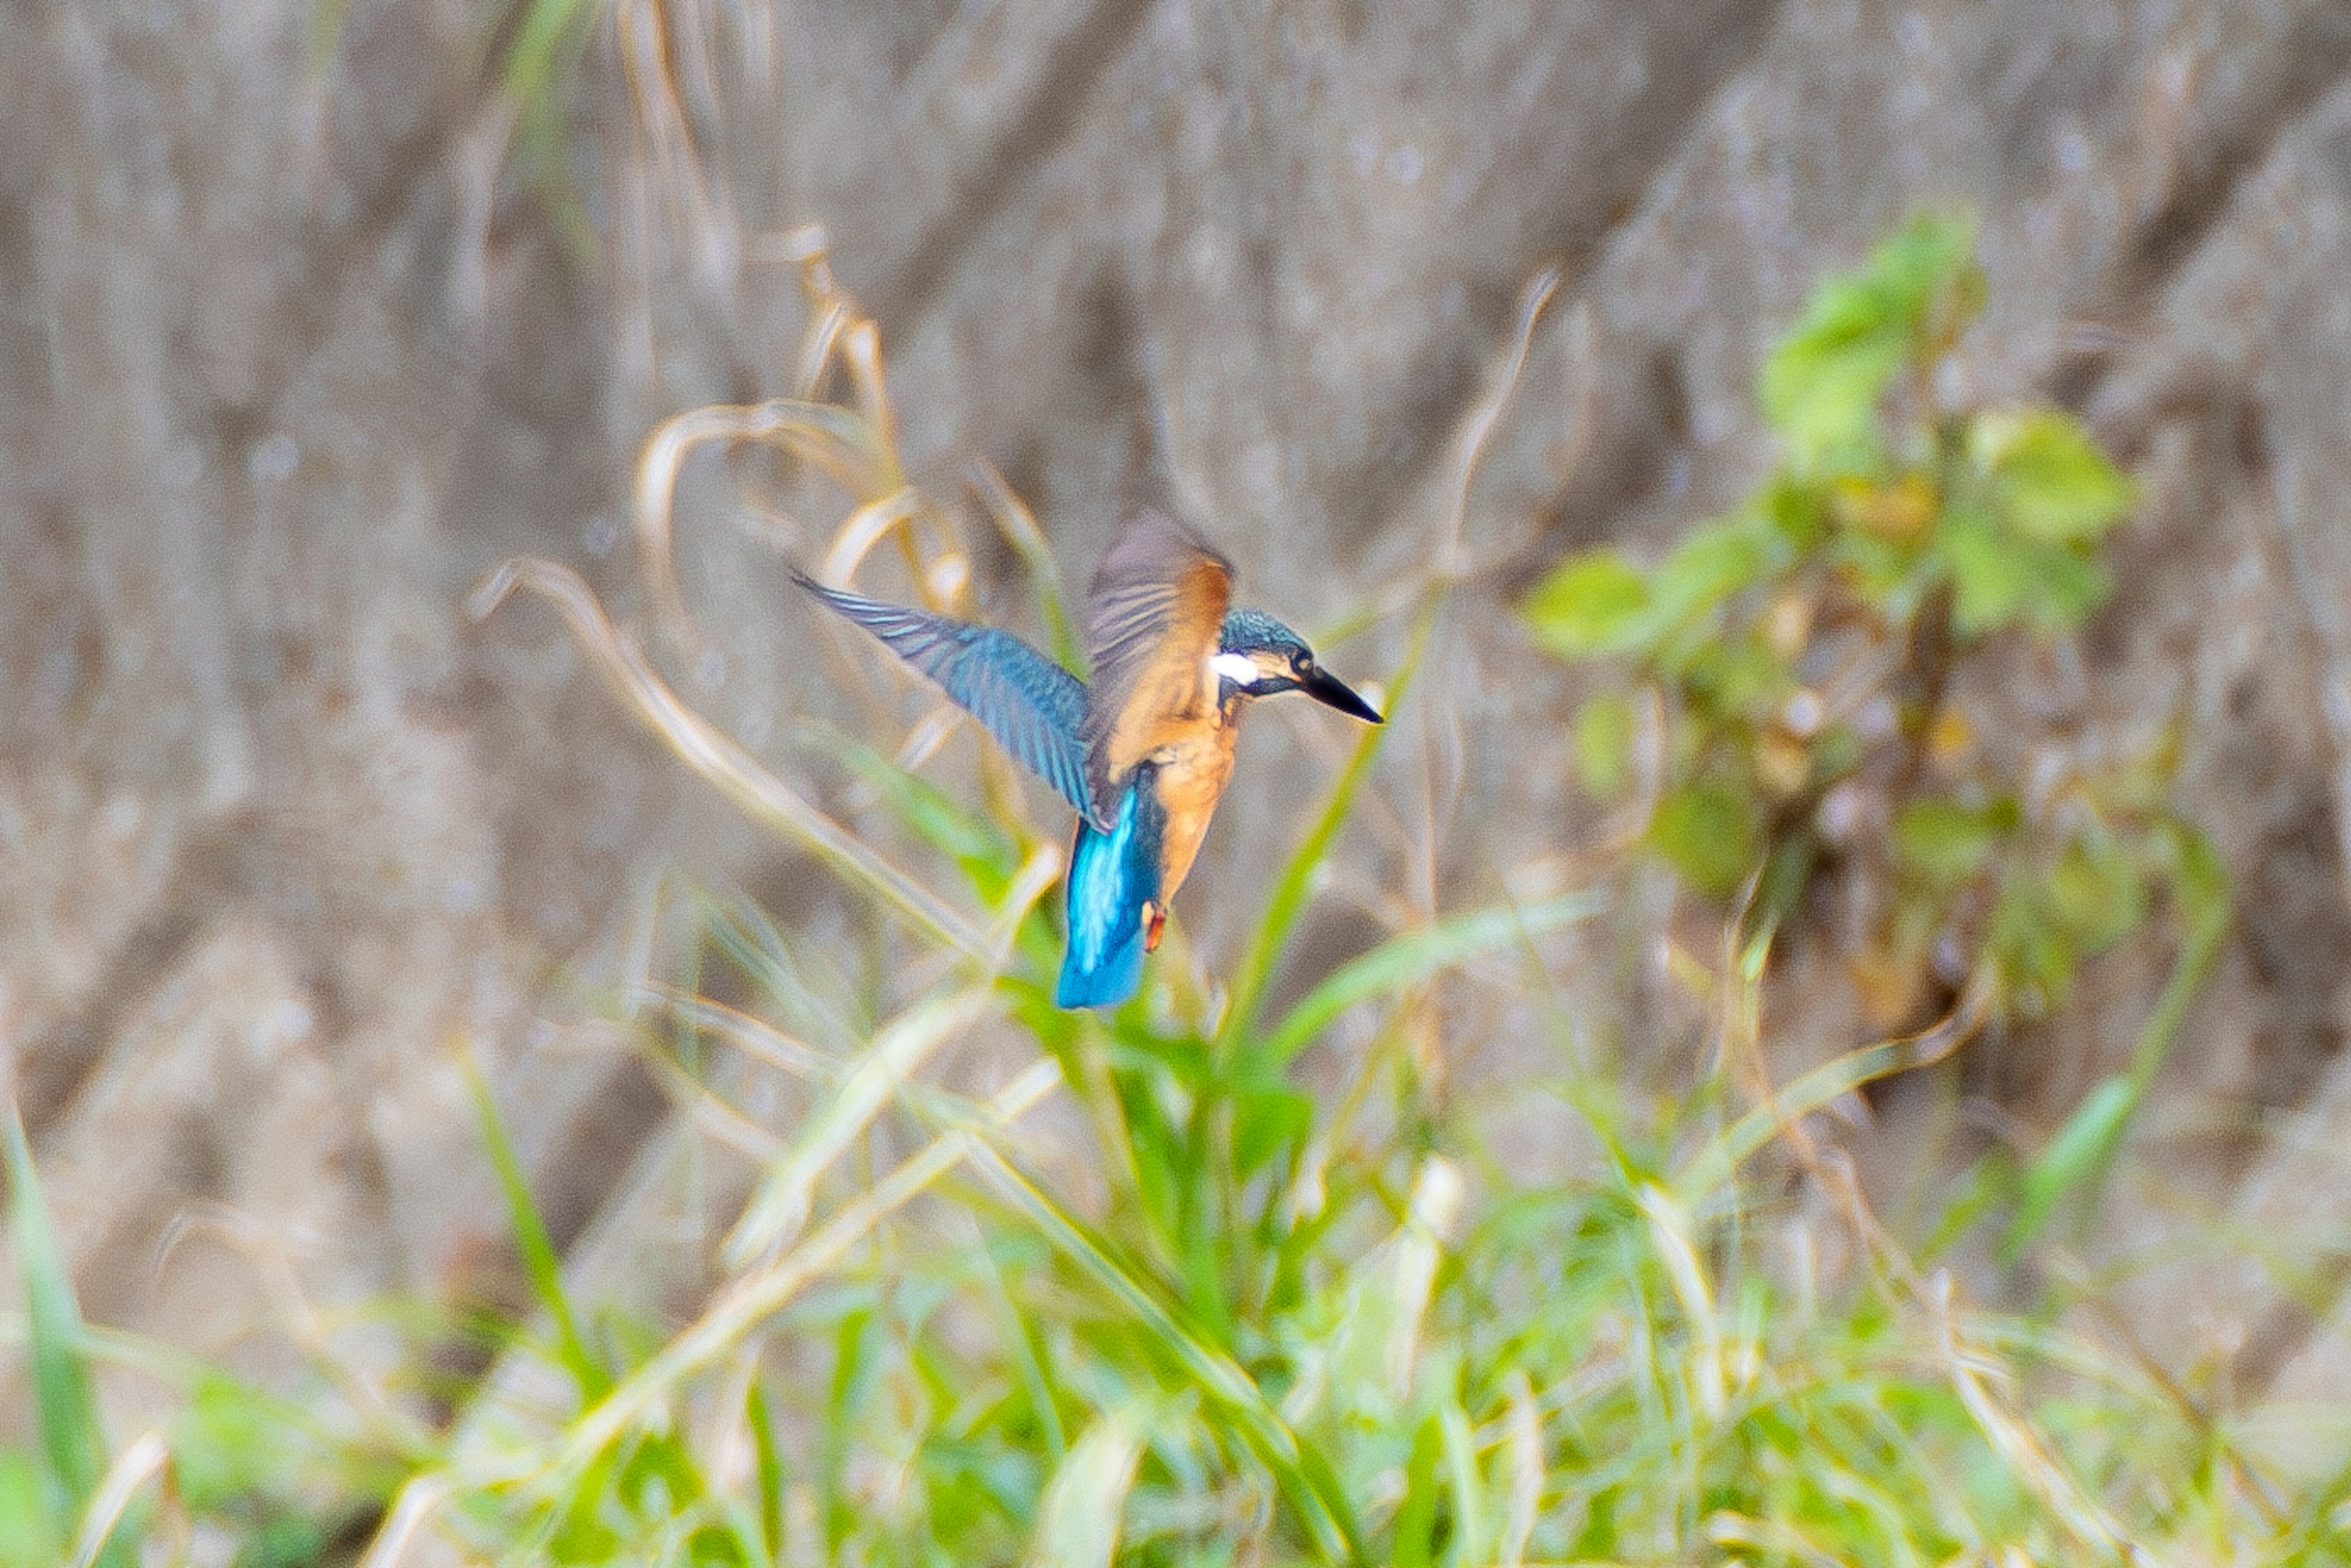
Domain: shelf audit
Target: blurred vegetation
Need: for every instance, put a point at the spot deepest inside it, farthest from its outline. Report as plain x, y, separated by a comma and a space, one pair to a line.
1797, 660
1196, 1316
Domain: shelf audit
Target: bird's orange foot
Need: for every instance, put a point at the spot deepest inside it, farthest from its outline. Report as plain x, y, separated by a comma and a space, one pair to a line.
1155, 924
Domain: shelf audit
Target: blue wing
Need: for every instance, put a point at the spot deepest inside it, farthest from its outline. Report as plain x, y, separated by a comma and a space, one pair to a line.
1111, 876
1033, 708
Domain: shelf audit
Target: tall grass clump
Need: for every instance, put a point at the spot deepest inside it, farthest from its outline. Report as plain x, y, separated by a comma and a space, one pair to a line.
1015, 1285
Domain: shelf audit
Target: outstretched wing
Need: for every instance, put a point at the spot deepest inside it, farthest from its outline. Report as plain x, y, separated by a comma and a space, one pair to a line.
1152, 625
1033, 708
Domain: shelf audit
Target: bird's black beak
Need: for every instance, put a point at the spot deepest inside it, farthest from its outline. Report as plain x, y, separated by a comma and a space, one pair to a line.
1331, 692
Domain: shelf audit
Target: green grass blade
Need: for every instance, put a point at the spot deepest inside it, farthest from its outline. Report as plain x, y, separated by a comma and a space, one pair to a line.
1289, 894
1414, 956
534, 62
1304, 1481
2079, 1156
29, 1536
787, 1192
1018, 526
1715, 1164
1415, 1518
753, 1298
2075, 1161
63, 1396
533, 1243
768, 1465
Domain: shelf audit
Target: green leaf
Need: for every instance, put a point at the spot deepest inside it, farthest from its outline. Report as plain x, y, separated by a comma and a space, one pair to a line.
2034, 959
1711, 834
1797, 511
1268, 1120
1893, 576
1946, 844
2068, 582
1604, 745
2073, 1160
1735, 677
532, 1242
2000, 578
1592, 605
62, 1395
1990, 578
2097, 892
1820, 385
1714, 561
1787, 873
1415, 1520
2051, 480
228, 1442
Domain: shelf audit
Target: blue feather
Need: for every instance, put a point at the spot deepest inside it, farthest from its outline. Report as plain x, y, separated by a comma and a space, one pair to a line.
1033, 708
1111, 876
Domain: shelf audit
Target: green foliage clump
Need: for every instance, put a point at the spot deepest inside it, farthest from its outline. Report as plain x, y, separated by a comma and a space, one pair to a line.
1804, 649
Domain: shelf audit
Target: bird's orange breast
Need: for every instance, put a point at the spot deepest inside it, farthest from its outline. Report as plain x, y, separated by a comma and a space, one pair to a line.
1194, 766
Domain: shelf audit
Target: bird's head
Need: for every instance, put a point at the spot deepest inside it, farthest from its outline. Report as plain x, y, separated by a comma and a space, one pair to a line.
1257, 656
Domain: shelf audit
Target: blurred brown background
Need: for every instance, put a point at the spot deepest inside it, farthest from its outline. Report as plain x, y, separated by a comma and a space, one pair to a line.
290, 352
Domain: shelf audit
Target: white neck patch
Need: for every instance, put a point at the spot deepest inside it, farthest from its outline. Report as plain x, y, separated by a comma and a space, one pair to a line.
1238, 668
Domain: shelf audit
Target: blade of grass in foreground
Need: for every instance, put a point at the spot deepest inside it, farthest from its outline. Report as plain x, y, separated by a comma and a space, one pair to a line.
738, 1310
1412, 956
1289, 900
787, 1192
63, 1397
1301, 1473
2079, 1156
1291, 892
1720, 1159
532, 1241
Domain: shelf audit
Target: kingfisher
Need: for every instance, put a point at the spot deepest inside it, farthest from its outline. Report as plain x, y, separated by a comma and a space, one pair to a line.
1144, 753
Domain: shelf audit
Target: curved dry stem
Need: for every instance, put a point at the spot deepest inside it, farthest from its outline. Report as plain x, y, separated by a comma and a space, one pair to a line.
301, 1322
718, 759
132, 1470
1447, 562
865, 528
1780, 1109
1479, 427
1017, 524
830, 438
418, 1501
1974, 1374
860, 350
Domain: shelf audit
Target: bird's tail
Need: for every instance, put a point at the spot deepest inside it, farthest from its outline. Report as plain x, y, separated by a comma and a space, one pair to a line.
1113, 879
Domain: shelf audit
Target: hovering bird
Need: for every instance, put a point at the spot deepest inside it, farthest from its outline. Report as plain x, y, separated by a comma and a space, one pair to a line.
1143, 754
